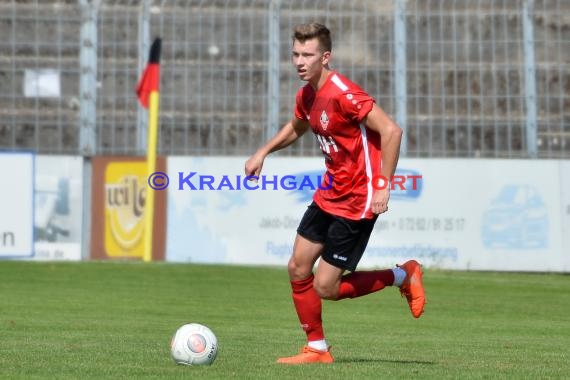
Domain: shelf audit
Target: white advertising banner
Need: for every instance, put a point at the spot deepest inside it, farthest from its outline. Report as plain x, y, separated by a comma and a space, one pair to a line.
475, 214
16, 205
242, 226
58, 207
461, 214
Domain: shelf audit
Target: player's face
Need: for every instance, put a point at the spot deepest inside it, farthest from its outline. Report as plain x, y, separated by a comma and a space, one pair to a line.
309, 60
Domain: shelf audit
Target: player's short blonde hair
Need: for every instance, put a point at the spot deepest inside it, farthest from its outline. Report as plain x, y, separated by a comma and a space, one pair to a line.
312, 30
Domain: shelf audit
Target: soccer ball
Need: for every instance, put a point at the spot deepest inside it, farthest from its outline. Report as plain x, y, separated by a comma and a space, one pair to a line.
194, 344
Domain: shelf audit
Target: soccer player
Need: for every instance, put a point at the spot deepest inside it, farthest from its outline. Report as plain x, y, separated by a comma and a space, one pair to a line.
358, 140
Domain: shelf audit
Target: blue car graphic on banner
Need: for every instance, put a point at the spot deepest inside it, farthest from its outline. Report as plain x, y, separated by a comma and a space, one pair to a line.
516, 218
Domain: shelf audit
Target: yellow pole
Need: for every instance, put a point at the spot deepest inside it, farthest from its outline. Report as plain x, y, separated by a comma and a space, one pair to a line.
151, 168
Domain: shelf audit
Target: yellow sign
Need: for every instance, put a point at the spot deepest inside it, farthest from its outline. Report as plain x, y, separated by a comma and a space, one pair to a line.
125, 194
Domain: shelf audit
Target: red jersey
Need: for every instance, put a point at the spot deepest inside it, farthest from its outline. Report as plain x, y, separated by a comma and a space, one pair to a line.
352, 150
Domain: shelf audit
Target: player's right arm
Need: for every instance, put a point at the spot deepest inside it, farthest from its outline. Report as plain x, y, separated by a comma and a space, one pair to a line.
286, 136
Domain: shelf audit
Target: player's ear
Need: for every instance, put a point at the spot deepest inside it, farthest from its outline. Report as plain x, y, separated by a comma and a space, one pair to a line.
326, 57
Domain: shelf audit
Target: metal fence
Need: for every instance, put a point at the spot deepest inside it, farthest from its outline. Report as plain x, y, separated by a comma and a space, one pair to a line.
464, 78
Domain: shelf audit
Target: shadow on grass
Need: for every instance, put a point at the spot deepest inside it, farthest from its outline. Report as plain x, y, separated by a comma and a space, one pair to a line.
379, 360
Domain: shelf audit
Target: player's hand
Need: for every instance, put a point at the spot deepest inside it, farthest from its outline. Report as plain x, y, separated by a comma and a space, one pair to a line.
253, 165
380, 200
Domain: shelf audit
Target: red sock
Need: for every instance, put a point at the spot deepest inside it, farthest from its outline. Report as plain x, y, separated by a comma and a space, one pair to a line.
358, 284
308, 305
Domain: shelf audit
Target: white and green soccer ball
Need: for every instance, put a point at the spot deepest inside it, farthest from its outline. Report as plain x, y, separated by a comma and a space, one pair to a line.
194, 344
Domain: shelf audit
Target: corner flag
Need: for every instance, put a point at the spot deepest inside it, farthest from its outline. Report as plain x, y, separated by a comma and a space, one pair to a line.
150, 80
148, 94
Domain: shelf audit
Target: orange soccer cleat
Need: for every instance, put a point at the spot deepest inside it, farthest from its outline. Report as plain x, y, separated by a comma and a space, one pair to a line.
308, 355
413, 288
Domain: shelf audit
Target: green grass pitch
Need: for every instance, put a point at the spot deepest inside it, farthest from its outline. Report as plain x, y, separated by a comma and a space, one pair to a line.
108, 320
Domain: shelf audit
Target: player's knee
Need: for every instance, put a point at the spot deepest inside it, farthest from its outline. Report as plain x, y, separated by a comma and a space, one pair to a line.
326, 291
292, 267
298, 271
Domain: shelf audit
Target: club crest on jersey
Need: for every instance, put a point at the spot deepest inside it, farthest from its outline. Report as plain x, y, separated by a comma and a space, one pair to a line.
324, 120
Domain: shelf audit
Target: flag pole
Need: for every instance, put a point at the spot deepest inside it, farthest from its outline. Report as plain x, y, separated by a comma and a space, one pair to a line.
151, 168
148, 94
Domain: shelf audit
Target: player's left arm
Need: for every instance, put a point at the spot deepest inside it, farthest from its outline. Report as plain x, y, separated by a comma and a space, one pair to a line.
390, 140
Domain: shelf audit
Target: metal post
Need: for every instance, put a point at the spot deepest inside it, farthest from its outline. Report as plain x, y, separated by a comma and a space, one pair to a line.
87, 109
88, 77
144, 47
529, 78
273, 71
400, 69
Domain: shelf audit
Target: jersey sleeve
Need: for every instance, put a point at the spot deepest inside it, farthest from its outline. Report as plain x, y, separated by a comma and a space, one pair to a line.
355, 105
